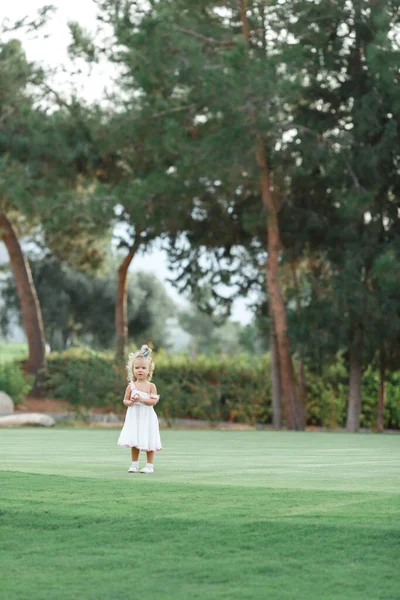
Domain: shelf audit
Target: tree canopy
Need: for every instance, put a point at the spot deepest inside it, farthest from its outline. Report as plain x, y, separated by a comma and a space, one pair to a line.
259, 141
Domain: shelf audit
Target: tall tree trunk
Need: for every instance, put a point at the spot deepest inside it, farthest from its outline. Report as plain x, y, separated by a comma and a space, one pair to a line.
302, 376
354, 405
293, 413
30, 307
302, 391
121, 303
382, 392
275, 380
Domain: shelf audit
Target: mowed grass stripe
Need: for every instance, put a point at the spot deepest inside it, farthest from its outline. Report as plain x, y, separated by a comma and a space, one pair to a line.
226, 515
378, 510
92, 538
326, 461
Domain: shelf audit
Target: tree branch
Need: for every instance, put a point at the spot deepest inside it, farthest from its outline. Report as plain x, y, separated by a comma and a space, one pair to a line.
60, 100
172, 110
204, 38
330, 143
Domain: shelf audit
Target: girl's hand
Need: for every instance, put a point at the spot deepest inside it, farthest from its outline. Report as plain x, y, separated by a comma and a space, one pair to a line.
155, 397
135, 398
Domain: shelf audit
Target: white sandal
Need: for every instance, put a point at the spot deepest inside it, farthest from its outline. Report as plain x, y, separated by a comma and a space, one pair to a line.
147, 469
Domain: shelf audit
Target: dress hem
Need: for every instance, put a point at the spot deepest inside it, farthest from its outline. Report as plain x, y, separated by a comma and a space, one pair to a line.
144, 449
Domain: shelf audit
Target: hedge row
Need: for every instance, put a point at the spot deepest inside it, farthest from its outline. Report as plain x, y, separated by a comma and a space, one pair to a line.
227, 388
212, 388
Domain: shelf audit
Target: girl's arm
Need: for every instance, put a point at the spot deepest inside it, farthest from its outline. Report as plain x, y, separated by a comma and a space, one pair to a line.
127, 398
152, 401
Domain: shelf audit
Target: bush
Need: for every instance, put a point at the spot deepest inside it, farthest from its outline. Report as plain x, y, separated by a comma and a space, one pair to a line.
211, 388
327, 396
370, 392
215, 388
392, 407
85, 378
14, 382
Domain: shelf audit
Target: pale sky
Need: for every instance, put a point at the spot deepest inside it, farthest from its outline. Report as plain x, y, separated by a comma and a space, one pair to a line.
52, 52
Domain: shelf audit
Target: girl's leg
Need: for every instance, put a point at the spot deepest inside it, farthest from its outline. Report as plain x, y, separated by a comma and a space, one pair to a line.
134, 468
149, 465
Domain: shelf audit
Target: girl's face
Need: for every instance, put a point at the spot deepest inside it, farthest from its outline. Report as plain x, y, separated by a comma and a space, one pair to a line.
140, 369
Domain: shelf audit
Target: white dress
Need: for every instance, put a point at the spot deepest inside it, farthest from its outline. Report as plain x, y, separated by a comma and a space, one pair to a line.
140, 429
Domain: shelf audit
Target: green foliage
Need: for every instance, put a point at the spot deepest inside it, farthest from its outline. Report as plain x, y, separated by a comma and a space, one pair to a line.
326, 395
392, 406
14, 382
173, 156
370, 391
209, 336
84, 378
182, 133
345, 201
78, 308
48, 163
215, 388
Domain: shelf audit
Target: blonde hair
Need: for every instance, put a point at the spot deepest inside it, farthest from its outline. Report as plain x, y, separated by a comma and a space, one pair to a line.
144, 352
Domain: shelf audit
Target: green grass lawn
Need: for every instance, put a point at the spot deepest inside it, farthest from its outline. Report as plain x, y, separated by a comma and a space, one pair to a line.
227, 514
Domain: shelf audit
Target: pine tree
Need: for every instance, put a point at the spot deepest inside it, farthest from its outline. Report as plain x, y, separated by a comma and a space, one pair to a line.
208, 99
344, 55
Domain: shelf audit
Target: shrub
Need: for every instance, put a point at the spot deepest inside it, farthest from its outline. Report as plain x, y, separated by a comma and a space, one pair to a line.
85, 378
392, 407
215, 388
212, 388
14, 382
327, 396
370, 393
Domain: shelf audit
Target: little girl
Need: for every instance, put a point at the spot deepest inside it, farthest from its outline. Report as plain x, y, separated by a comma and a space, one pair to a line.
140, 430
